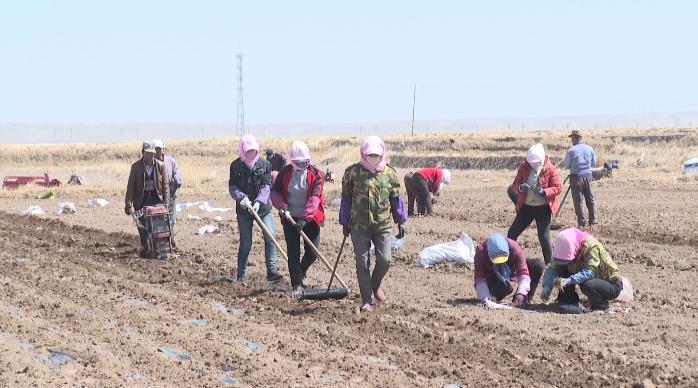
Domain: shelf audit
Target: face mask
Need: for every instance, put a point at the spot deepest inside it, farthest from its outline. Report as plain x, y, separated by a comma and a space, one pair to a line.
536, 165
373, 160
302, 164
251, 154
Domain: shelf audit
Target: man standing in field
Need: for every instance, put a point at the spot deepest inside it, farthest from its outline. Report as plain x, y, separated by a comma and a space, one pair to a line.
174, 181
147, 186
276, 159
579, 160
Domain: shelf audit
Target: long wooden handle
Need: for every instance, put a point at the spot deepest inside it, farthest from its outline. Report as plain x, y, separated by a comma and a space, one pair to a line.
334, 270
317, 252
267, 232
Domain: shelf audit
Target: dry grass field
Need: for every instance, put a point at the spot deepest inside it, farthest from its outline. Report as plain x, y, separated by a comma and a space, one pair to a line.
74, 283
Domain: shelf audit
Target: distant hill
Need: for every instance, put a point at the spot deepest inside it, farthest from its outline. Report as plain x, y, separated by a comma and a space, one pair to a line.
136, 131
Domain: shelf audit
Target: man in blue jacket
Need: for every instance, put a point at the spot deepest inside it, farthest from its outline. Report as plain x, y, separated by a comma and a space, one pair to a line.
580, 159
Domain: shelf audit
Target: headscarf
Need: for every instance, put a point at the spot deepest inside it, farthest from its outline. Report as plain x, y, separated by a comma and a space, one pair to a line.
498, 246
445, 176
568, 243
247, 143
373, 145
299, 151
536, 156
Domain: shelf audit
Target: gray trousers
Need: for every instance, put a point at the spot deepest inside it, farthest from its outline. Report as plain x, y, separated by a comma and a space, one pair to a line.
581, 188
382, 241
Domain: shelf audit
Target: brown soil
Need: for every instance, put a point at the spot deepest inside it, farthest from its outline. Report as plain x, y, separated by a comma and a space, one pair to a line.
73, 283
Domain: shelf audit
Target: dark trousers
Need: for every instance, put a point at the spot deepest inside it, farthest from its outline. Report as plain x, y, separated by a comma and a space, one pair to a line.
598, 291
147, 201
543, 217
581, 189
297, 267
417, 190
500, 290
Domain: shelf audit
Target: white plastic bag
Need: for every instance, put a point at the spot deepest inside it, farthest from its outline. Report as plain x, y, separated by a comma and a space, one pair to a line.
461, 251
207, 229
97, 202
628, 293
65, 208
34, 210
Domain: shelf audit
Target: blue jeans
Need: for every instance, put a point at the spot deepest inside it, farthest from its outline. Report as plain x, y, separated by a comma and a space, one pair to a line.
245, 222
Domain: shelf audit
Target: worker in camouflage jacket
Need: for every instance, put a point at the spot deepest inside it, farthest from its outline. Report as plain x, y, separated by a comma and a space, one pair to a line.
580, 259
370, 194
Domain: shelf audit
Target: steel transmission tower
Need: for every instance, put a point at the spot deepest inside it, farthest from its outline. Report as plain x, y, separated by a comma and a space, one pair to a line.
241, 104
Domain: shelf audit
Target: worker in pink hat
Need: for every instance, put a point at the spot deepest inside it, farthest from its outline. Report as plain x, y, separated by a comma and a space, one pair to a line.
297, 193
580, 259
370, 195
250, 185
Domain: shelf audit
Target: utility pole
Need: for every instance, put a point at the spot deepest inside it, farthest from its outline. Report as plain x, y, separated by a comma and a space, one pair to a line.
414, 102
241, 105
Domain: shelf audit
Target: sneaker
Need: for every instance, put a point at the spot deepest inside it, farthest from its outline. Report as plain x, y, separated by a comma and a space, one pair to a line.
274, 276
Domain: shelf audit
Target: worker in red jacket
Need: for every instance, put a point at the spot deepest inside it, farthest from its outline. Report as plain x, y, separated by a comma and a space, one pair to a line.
297, 193
422, 186
536, 186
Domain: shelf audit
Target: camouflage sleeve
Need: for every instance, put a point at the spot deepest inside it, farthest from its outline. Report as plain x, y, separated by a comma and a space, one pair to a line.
395, 190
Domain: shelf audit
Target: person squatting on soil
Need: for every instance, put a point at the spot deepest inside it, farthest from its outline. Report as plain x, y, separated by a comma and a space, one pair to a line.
579, 160
250, 177
297, 193
536, 185
175, 182
370, 193
422, 185
498, 260
147, 186
580, 259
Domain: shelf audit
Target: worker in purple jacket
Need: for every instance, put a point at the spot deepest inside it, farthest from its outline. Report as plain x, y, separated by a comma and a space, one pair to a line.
498, 261
175, 182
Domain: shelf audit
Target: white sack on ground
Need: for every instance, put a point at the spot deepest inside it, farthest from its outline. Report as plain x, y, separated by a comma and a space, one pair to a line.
628, 293
97, 202
65, 207
207, 229
34, 210
461, 251
203, 205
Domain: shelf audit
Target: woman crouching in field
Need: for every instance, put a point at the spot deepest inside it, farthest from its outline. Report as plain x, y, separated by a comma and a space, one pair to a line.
370, 193
297, 193
579, 258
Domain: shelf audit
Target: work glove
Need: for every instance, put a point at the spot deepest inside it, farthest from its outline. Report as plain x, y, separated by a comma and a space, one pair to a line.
524, 187
255, 207
245, 203
300, 224
127, 210
346, 230
401, 231
284, 214
519, 300
541, 191
564, 282
545, 294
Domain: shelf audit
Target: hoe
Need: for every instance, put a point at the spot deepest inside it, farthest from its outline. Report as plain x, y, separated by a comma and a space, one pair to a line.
312, 294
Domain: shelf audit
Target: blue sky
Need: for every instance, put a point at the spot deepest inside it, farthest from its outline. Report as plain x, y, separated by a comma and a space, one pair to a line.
328, 61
